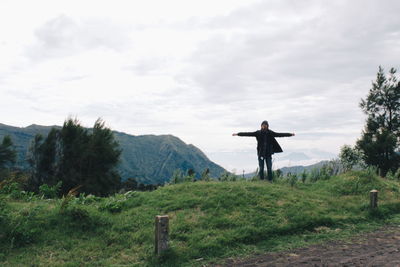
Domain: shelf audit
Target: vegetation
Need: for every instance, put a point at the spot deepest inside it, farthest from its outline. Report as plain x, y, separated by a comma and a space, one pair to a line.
380, 139
209, 221
149, 159
75, 156
350, 157
7, 154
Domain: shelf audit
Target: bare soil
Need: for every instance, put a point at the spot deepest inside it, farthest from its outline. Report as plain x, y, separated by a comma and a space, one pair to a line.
378, 248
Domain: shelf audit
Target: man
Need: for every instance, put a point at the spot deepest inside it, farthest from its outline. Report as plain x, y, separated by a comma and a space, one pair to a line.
266, 146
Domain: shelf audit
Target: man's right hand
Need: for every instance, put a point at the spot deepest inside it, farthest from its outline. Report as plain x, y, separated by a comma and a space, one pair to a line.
234, 134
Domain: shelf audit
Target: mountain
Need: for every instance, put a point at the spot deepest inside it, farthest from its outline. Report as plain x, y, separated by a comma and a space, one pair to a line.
295, 156
295, 169
300, 169
149, 159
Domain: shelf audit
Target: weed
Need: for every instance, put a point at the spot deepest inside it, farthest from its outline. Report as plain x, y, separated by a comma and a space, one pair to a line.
50, 191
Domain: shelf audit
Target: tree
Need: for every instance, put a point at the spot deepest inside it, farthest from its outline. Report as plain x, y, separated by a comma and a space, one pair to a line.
101, 158
43, 158
349, 157
379, 142
8, 154
77, 156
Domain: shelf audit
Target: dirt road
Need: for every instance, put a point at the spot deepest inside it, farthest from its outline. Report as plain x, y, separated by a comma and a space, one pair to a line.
379, 248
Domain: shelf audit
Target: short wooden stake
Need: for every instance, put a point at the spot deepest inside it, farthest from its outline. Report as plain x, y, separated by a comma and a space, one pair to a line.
161, 234
373, 195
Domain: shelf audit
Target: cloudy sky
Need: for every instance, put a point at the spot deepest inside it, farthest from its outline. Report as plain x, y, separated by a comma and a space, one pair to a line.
200, 70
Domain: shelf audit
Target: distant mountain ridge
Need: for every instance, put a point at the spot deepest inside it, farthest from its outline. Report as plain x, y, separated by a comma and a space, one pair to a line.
150, 159
296, 169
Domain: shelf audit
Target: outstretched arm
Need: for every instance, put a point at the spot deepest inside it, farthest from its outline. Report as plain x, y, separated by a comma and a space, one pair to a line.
245, 134
282, 134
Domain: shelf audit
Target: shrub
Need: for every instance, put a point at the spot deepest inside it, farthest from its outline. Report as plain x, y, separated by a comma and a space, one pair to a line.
50, 191
112, 205
205, 176
18, 229
226, 177
86, 199
78, 217
304, 177
177, 177
292, 178
14, 191
359, 182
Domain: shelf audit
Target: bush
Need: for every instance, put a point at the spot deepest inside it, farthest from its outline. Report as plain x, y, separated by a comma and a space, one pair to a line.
304, 177
77, 217
226, 177
50, 191
177, 177
357, 182
17, 230
112, 205
292, 178
14, 191
83, 199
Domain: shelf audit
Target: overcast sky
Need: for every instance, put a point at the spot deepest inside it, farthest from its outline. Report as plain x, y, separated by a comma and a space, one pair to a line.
200, 70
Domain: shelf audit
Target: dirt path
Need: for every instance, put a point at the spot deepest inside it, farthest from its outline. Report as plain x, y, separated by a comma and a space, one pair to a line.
379, 248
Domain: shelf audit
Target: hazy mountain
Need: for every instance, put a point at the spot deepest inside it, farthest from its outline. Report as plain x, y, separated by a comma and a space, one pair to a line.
147, 158
295, 156
295, 169
300, 169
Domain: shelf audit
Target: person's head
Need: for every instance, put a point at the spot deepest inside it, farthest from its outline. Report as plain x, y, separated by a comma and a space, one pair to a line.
264, 125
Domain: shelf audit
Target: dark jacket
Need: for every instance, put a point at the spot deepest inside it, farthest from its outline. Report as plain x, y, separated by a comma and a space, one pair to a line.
266, 142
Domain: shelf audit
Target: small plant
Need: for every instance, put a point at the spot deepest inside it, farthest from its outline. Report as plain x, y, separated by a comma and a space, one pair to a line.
278, 173
50, 191
190, 177
68, 198
14, 191
397, 174
86, 199
112, 205
224, 177
205, 176
304, 177
292, 178
177, 177
117, 202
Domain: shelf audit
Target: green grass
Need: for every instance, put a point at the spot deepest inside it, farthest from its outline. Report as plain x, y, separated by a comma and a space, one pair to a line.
209, 222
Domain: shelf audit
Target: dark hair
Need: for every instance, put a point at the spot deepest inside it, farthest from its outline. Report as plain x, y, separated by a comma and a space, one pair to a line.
264, 122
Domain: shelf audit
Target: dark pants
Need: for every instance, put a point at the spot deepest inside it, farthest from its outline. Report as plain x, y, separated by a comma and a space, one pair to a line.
268, 162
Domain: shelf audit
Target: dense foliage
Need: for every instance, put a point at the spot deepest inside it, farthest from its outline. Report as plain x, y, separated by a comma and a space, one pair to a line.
380, 139
350, 157
149, 159
76, 156
7, 152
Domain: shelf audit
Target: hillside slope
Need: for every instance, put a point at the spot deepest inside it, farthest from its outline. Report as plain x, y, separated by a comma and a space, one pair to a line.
209, 221
149, 159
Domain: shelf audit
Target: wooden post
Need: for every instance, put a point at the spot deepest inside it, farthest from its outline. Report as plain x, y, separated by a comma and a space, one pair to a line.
161, 234
373, 195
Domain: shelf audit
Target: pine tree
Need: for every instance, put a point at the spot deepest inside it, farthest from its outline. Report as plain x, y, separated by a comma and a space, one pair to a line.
43, 158
101, 158
77, 156
8, 154
379, 142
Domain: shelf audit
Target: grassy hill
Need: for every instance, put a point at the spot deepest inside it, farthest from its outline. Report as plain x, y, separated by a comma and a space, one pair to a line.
149, 159
209, 221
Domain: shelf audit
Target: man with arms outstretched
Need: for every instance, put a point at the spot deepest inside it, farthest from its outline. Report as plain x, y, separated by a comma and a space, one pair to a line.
266, 146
